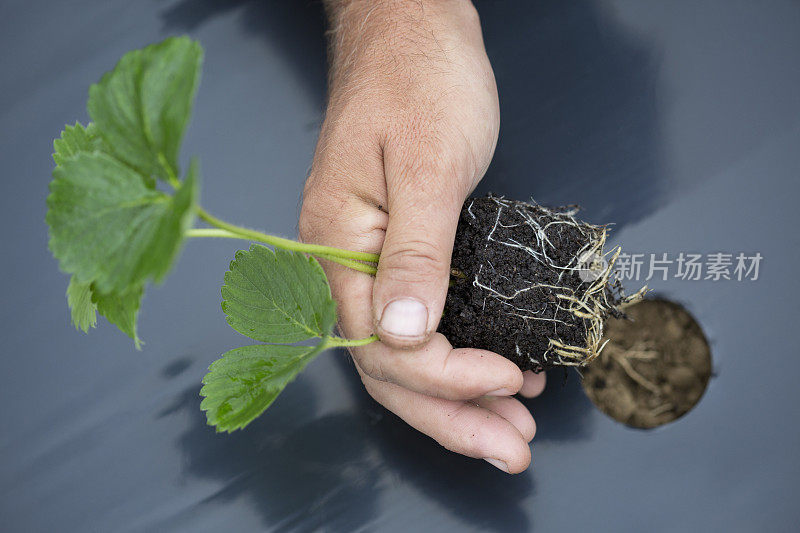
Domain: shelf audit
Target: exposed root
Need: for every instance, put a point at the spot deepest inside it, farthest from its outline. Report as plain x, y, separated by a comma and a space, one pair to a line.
589, 305
661, 409
641, 352
634, 375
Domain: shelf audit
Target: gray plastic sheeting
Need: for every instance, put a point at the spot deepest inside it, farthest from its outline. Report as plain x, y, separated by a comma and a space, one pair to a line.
678, 121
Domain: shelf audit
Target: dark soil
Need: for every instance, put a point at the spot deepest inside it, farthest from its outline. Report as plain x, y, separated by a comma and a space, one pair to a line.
654, 369
511, 260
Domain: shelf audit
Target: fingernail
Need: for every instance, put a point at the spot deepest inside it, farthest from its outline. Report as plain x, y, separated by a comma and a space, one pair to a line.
405, 317
501, 392
497, 464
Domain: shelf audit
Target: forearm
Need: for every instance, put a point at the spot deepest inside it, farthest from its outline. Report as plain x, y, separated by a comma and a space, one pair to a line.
387, 35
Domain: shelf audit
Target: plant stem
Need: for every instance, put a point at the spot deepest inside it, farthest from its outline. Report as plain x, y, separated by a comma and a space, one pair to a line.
349, 263
225, 234
337, 342
286, 244
212, 232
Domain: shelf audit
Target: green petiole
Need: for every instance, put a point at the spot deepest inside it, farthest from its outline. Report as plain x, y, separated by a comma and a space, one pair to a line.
226, 230
287, 244
339, 342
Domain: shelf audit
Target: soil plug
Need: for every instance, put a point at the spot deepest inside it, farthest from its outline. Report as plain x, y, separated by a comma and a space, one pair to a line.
535, 284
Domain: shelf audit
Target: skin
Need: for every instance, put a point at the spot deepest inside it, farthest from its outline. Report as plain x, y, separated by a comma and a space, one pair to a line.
410, 128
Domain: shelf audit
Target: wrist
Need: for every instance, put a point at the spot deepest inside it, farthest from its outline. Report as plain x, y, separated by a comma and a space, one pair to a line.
370, 38
371, 11
355, 24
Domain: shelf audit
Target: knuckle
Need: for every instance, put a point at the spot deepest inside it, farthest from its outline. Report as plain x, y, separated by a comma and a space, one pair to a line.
372, 386
305, 226
457, 413
321, 200
413, 260
455, 379
374, 368
371, 389
464, 438
308, 222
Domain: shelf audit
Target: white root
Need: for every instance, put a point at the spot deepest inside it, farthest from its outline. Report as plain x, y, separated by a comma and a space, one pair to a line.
590, 306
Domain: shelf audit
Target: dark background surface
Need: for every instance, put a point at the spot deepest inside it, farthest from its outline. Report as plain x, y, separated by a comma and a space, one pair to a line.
679, 121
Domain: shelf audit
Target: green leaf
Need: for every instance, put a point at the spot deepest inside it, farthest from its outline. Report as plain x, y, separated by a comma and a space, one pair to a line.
142, 107
277, 296
245, 381
108, 228
75, 139
121, 310
83, 310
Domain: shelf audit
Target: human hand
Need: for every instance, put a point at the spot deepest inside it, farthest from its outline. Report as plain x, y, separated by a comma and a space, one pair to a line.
410, 128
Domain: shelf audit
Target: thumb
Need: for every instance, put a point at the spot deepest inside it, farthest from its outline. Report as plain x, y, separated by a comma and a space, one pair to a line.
411, 284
